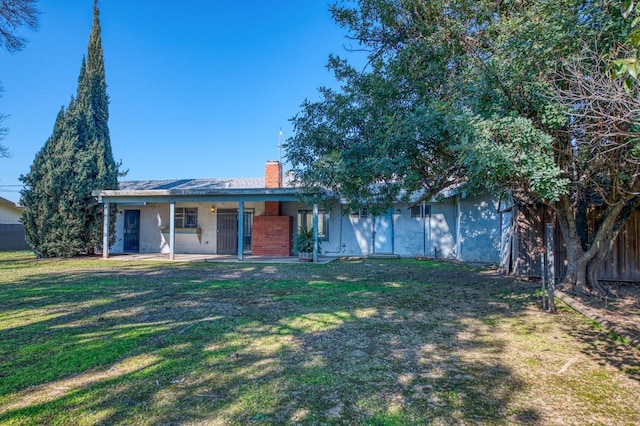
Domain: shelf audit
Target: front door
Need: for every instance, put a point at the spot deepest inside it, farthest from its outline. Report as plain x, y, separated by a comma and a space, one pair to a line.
228, 231
131, 231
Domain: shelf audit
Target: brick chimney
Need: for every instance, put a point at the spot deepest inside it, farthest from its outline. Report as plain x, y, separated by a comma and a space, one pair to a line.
273, 174
272, 232
272, 179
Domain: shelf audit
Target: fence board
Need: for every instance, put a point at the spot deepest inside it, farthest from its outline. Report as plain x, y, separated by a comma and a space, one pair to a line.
621, 264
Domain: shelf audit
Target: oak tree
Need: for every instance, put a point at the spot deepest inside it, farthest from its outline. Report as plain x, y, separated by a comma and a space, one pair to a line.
483, 94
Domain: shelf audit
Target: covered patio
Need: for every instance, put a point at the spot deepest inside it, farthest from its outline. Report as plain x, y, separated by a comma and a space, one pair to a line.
263, 234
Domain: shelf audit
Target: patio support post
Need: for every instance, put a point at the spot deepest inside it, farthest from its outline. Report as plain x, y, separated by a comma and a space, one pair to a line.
172, 230
240, 230
105, 230
315, 233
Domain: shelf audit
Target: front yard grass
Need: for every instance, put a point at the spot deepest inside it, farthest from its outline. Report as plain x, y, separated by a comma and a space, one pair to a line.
380, 342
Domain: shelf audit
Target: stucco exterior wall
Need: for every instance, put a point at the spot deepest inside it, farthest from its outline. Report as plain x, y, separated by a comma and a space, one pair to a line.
357, 235
117, 246
480, 229
154, 228
437, 235
429, 236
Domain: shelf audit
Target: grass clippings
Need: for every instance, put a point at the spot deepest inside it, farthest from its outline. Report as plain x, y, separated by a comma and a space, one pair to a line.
87, 341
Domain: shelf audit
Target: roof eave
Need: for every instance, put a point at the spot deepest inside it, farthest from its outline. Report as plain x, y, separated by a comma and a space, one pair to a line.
172, 195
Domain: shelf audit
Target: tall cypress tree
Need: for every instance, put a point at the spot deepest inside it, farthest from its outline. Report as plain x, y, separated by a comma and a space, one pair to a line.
40, 195
61, 217
100, 171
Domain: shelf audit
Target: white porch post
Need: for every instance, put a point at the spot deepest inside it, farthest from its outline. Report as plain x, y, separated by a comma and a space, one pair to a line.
105, 230
172, 230
240, 230
315, 233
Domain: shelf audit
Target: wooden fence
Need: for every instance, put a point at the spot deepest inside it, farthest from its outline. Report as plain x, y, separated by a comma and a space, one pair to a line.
12, 238
622, 262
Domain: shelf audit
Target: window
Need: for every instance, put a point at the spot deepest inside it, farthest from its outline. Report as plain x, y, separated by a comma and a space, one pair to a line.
305, 220
363, 212
417, 211
186, 217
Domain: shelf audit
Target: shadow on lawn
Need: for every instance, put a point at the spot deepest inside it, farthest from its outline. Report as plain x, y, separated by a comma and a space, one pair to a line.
173, 344
602, 346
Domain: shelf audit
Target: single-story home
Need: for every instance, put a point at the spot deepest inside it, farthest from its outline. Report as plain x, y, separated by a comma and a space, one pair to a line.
11, 230
259, 216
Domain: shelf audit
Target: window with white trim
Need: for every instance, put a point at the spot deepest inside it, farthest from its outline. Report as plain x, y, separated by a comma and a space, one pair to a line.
305, 220
186, 217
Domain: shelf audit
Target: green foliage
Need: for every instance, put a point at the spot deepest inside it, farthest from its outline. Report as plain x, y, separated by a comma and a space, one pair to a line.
303, 241
509, 96
439, 74
61, 217
627, 67
512, 150
376, 140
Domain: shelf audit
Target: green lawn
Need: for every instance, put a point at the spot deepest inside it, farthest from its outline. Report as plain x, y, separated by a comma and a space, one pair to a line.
380, 342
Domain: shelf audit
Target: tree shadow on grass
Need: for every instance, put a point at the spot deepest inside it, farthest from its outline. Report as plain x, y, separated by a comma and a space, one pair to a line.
604, 347
340, 345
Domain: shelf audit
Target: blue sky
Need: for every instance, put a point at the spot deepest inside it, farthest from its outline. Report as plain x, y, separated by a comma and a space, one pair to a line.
198, 89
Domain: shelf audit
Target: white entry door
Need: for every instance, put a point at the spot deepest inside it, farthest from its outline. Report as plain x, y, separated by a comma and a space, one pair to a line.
383, 233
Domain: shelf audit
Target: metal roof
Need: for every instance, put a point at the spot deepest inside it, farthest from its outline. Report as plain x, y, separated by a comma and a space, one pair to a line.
193, 190
213, 184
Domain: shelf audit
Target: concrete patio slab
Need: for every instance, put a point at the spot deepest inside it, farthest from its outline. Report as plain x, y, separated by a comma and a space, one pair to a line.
212, 258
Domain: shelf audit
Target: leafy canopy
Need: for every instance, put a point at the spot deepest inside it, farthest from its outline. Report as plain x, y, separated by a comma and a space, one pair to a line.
460, 92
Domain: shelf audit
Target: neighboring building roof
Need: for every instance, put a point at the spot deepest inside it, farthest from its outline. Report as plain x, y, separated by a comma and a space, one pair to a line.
11, 204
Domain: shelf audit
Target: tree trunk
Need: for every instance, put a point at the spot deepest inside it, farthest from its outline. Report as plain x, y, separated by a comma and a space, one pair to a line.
592, 274
576, 275
583, 265
610, 228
